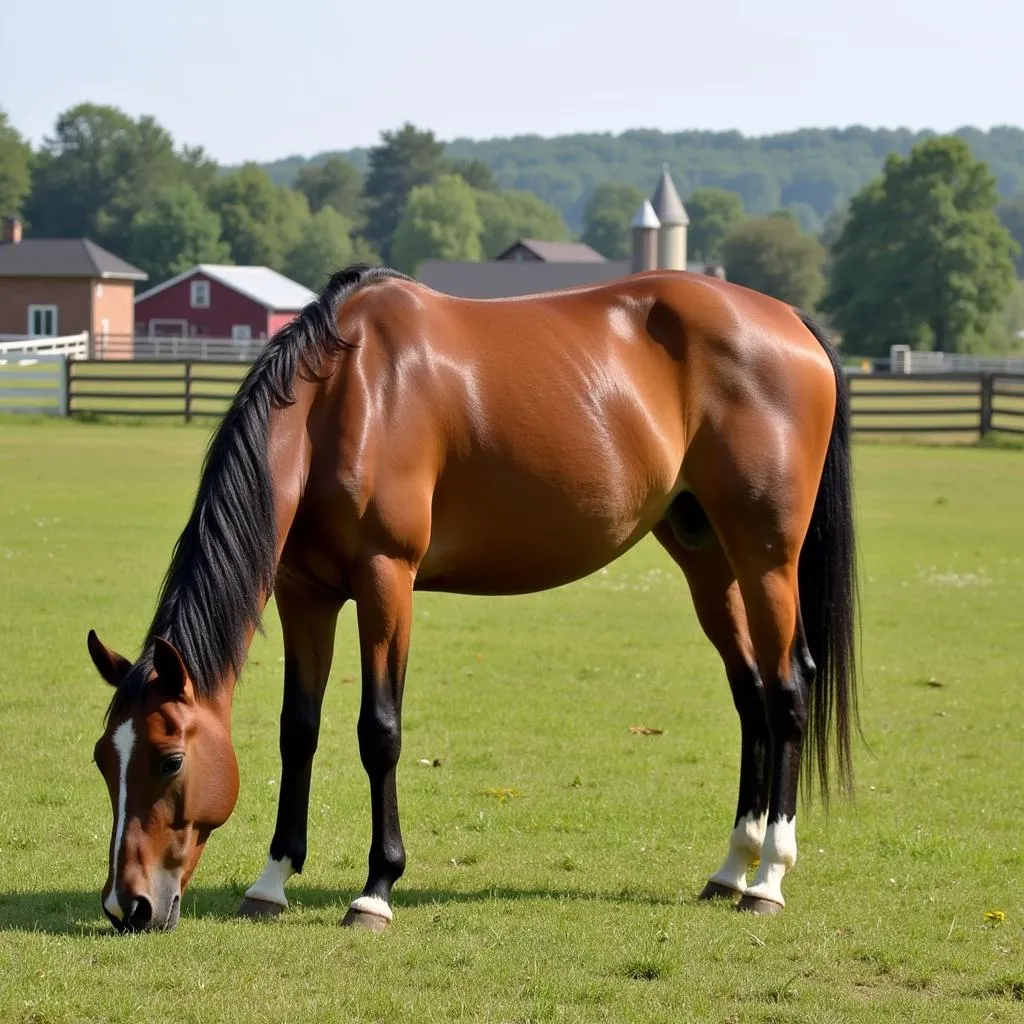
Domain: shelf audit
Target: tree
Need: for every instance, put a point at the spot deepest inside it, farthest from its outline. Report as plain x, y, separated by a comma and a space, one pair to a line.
923, 258
509, 216
714, 213
772, 255
77, 171
823, 168
607, 217
335, 183
476, 173
1006, 336
405, 159
260, 221
440, 221
174, 233
1011, 213
199, 169
323, 247
101, 170
15, 160
146, 165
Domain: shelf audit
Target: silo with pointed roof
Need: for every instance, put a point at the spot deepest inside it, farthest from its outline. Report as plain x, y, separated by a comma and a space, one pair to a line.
672, 216
644, 230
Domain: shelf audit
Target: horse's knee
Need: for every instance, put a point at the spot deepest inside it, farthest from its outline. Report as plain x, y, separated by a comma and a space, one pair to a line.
380, 740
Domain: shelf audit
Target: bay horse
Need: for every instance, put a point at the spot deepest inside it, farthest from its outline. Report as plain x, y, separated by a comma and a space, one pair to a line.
394, 439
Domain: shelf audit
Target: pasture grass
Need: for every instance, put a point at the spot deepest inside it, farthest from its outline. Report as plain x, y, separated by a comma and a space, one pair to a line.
554, 856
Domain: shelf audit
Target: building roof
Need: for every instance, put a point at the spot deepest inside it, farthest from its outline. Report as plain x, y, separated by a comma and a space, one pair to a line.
666, 202
500, 279
556, 252
64, 257
270, 289
496, 279
646, 217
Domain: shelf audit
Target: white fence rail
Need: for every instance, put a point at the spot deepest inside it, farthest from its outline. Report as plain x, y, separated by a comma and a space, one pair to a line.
903, 359
75, 346
34, 384
200, 349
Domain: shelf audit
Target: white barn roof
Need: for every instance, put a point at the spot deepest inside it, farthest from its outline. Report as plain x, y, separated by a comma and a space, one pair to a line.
270, 289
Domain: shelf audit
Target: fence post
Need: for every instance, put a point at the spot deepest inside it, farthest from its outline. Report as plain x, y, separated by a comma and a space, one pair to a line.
987, 387
188, 391
65, 386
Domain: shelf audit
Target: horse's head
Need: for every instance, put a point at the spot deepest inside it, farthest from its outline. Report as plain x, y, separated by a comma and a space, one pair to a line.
170, 769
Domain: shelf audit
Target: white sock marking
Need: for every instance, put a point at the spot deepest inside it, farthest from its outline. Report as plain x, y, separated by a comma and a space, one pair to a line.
778, 855
373, 905
270, 885
744, 849
124, 741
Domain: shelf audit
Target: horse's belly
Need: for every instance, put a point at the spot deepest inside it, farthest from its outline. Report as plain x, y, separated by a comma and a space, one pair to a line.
528, 537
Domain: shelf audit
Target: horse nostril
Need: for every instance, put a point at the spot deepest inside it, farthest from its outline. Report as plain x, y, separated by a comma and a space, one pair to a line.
140, 914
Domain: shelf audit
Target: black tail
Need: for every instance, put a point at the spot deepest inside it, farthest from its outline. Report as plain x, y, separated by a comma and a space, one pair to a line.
828, 596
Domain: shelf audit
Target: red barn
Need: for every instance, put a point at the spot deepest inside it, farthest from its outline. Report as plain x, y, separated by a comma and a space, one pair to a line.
213, 301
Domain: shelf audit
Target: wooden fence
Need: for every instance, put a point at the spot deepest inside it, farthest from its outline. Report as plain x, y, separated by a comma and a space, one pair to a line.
33, 384
152, 388
960, 406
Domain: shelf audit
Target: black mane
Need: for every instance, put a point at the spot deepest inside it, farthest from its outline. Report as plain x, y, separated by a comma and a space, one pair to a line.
223, 563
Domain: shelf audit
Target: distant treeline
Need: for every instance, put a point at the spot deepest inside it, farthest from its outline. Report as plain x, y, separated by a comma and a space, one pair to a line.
811, 172
890, 236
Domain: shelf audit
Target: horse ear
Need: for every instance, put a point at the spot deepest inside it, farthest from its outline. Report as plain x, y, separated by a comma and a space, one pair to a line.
110, 665
171, 674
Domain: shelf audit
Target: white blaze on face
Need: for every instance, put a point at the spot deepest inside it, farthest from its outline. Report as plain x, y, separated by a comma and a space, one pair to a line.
124, 741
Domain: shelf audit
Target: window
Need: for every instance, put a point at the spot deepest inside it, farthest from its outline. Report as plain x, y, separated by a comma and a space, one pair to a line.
241, 332
200, 294
42, 321
99, 290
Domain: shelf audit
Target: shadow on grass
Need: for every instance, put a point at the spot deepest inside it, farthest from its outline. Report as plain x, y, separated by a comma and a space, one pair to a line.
77, 912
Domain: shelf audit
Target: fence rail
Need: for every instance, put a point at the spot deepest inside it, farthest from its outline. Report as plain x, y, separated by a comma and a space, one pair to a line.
34, 384
74, 345
152, 388
943, 404
903, 359
187, 349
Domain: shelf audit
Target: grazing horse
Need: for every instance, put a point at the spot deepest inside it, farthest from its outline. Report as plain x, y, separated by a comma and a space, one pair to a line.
392, 438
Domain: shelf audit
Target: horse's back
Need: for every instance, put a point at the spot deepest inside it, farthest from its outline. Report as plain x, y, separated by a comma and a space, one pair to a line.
526, 442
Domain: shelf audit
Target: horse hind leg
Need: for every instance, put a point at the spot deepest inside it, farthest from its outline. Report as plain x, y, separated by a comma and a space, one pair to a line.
761, 530
688, 538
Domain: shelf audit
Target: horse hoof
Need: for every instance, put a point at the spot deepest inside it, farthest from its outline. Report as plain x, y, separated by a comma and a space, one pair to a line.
717, 891
369, 922
258, 908
757, 905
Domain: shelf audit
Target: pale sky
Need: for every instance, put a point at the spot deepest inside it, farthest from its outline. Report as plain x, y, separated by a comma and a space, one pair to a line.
252, 79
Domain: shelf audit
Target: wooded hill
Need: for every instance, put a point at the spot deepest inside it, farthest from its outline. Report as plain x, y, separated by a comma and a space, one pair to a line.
811, 171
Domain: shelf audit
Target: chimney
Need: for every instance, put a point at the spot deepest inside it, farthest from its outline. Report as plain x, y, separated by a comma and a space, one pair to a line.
674, 218
645, 238
12, 231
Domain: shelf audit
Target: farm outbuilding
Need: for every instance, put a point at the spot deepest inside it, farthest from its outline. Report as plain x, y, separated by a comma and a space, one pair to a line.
529, 265
217, 301
52, 287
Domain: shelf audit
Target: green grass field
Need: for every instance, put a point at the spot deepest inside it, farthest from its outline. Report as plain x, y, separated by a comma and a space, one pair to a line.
573, 899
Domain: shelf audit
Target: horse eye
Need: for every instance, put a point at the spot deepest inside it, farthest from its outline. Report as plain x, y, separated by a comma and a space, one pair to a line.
172, 764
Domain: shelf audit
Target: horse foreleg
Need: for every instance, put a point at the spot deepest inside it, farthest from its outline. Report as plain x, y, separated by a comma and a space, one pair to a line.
309, 627
384, 600
719, 608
